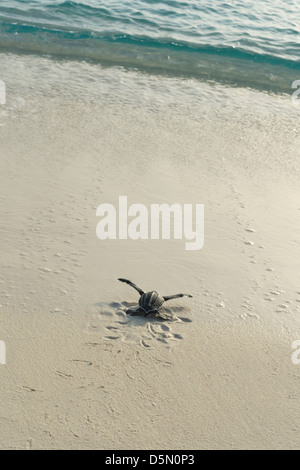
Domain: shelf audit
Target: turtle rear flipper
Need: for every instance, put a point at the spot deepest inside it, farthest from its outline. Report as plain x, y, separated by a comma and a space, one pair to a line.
150, 312
134, 311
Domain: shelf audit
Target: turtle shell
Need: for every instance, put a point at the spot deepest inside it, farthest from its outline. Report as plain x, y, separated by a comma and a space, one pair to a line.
151, 301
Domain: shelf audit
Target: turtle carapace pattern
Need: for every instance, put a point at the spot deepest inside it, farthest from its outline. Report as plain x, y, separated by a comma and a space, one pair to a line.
149, 302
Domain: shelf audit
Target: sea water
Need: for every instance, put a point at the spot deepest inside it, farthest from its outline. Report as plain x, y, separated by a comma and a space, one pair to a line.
251, 44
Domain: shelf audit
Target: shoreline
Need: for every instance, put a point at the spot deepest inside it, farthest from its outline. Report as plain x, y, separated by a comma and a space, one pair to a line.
48, 78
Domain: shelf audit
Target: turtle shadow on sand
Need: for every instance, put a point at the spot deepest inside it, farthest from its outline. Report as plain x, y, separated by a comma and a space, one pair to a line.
116, 323
121, 309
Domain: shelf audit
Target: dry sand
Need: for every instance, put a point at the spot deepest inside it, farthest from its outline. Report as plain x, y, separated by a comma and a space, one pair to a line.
80, 374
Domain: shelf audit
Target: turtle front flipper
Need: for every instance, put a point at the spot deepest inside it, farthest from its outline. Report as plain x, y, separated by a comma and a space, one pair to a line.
140, 291
176, 296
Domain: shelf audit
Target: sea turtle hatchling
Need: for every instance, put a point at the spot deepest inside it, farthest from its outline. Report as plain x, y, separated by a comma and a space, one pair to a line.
149, 302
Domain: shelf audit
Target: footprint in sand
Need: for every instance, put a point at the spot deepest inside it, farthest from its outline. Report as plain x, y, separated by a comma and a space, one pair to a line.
112, 322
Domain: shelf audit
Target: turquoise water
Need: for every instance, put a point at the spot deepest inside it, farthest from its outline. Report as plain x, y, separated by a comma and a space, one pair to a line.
250, 43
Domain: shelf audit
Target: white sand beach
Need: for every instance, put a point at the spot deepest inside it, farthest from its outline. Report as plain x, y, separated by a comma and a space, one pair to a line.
79, 373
